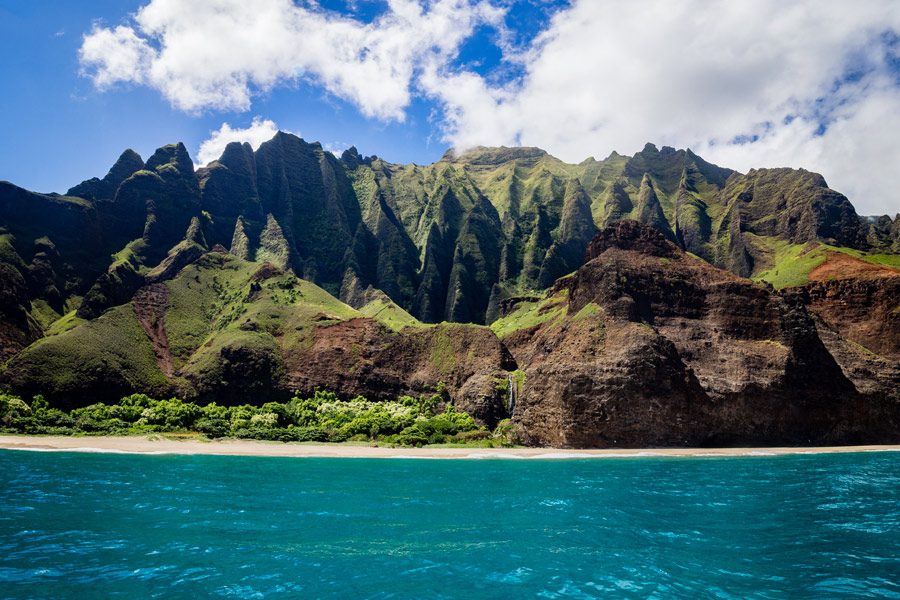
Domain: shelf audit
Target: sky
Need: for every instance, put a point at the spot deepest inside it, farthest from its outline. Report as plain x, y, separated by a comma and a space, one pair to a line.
744, 83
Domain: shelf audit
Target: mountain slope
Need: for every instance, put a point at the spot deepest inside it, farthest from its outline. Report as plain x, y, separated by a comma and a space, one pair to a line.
645, 345
288, 269
446, 241
230, 330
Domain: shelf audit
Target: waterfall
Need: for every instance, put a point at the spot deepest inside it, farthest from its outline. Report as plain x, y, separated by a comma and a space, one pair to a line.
510, 395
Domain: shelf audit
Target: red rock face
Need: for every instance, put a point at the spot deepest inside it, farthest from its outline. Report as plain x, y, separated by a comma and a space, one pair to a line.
359, 357
681, 353
859, 300
856, 306
865, 311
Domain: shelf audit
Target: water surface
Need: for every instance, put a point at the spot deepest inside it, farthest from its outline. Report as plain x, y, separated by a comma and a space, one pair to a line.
77, 525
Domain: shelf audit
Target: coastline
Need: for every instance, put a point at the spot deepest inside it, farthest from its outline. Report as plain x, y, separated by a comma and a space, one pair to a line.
158, 445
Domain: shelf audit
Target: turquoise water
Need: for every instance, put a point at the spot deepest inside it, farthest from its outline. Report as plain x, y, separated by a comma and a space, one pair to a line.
76, 525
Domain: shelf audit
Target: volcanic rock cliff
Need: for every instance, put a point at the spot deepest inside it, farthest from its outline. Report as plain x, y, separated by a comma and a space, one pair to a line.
645, 345
288, 269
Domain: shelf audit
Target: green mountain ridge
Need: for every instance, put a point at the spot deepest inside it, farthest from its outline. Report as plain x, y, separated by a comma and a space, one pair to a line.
446, 241
449, 241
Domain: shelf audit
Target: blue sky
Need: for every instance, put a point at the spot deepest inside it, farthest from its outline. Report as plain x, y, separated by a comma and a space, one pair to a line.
761, 83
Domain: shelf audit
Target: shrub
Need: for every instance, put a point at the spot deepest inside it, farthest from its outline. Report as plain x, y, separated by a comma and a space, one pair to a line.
412, 436
173, 414
141, 401
215, 412
38, 404
323, 417
91, 418
241, 415
264, 420
53, 417
310, 434
281, 434
279, 410
335, 435
16, 405
50, 430
372, 422
507, 433
15, 414
214, 428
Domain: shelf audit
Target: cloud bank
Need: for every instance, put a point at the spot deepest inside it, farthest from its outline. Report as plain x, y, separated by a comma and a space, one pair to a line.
218, 54
259, 131
811, 83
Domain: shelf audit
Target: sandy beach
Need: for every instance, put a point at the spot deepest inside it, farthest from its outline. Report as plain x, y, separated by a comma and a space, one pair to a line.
161, 445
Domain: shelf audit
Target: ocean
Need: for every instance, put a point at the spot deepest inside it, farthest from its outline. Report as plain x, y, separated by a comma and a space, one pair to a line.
90, 525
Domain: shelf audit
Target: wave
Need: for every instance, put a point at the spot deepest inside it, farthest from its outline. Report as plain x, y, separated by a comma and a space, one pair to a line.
89, 449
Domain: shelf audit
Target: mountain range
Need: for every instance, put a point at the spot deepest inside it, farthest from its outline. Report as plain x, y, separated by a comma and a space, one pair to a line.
652, 299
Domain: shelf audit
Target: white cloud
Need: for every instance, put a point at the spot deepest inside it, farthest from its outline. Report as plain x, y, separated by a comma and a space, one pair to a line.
699, 73
259, 131
603, 75
857, 153
218, 54
118, 55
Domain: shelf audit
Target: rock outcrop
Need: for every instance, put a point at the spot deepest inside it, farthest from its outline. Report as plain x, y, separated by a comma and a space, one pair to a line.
653, 347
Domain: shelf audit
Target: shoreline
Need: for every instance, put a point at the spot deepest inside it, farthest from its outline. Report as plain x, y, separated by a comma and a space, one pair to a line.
156, 446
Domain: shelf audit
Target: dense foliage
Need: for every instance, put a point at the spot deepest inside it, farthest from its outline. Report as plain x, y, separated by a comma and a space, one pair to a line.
324, 417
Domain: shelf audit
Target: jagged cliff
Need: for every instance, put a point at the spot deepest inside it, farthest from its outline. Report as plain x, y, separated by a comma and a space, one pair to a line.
645, 345
447, 241
288, 269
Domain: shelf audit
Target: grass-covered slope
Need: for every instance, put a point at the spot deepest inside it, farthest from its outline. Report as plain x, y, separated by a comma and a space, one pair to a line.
233, 331
792, 264
445, 241
110, 356
216, 305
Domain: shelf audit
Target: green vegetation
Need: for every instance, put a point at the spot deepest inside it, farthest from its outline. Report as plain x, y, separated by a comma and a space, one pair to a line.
529, 314
113, 346
130, 256
793, 264
324, 417
216, 303
589, 310
64, 324
390, 315
888, 260
443, 353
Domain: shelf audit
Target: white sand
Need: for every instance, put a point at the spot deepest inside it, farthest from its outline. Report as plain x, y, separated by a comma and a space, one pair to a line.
159, 445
